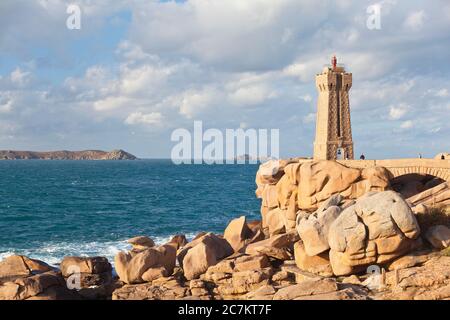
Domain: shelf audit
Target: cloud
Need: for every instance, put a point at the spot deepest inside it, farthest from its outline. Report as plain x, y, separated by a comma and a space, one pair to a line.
111, 103
397, 112
415, 20
135, 64
251, 95
192, 102
407, 124
443, 93
20, 77
153, 118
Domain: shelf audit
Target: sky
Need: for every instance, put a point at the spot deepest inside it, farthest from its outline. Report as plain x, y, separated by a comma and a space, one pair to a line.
138, 70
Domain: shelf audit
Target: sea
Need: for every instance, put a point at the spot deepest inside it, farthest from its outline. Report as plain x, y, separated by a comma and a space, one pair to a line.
52, 209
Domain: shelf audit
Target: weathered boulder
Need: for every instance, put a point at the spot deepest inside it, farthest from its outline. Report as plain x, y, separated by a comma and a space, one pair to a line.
319, 180
19, 266
409, 260
243, 282
318, 264
377, 229
141, 243
270, 172
237, 232
270, 196
92, 265
275, 221
288, 184
154, 273
279, 247
438, 236
93, 275
245, 263
290, 213
131, 267
306, 288
199, 255
169, 289
179, 240
313, 230
264, 292
43, 286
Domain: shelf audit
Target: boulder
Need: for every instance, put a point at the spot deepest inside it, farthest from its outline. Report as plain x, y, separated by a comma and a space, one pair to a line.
47, 285
91, 265
20, 266
179, 240
203, 253
92, 274
237, 232
141, 243
131, 268
270, 196
438, 236
410, 260
322, 179
150, 291
154, 273
318, 264
270, 172
254, 225
377, 229
314, 229
285, 187
121, 261
275, 221
290, 214
245, 263
306, 288
264, 292
278, 247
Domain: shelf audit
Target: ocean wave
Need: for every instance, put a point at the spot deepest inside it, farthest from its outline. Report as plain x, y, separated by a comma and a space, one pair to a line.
53, 252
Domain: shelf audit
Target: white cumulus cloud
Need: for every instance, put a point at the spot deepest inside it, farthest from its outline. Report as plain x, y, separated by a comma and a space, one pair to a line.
153, 118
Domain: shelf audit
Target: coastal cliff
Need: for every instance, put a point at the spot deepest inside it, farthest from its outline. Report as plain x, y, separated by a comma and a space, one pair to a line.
327, 232
66, 155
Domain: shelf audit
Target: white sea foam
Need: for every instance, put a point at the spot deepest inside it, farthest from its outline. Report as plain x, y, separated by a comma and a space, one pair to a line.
53, 252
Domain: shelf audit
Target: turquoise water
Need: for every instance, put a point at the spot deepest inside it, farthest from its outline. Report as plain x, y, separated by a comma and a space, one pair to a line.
50, 209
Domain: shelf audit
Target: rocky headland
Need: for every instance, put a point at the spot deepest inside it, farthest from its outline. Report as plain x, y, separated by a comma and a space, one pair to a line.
66, 155
327, 232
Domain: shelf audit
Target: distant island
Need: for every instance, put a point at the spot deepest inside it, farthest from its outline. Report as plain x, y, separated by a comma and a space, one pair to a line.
66, 155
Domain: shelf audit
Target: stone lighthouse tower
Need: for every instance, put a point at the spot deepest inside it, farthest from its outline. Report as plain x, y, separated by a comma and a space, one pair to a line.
333, 127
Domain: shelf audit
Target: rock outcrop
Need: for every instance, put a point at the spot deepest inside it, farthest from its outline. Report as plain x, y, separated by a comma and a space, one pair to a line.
92, 276
376, 229
196, 257
145, 265
287, 186
22, 278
